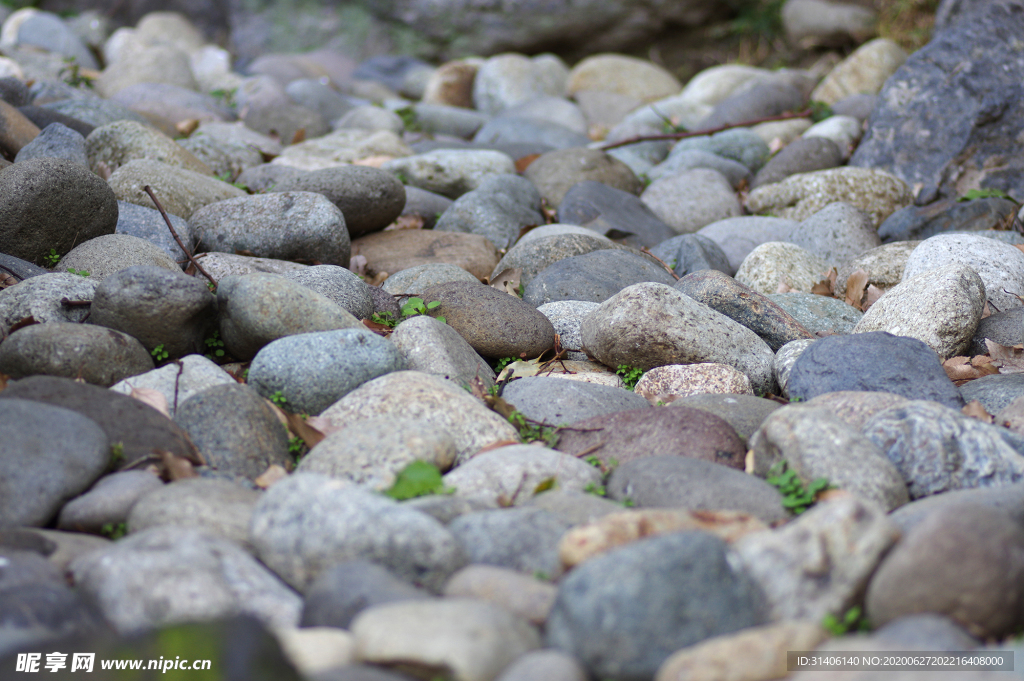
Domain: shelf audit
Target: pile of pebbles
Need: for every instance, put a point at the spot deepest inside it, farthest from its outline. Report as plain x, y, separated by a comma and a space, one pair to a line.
234, 393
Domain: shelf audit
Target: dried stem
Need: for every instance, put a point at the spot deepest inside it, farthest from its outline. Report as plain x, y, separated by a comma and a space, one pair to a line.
181, 245
700, 133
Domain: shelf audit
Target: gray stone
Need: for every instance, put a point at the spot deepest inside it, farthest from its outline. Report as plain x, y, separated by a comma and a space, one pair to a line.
52, 203
237, 432
745, 413
221, 507
945, 566
737, 237
48, 31
434, 348
494, 323
509, 474
1000, 266
35, 614
370, 199
970, 130
765, 97
108, 502
782, 265
313, 370
509, 79
556, 172
445, 508
450, 172
805, 155
624, 612
947, 215
319, 97
689, 159
427, 205
307, 522
55, 141
50, 455
820, 563
595, 276
874, 362
1008, 499
940, 307
147, 223
438, 119
530, 597
535, 254
809, 440
785, 358
411, 394
473, 639
181, 192
369, 118
742, 304
938, 449
415, 279
927, 631
285, 120
168, 575
552, 665
92, 353
158, 307
738, 144
553, 109
611, 211
339, 285
226, 158
266, 177
379, 450
167, 104
499, 208
523, 539
688, 253
302, 226
509, 128
648, 325
574, 508
692, 199
694, 484
837, 233
557, 401
178, 381
40, 298
94, 111
222, 265
884, 266
996, 392
105, 255
818, 314
340, 593
566, 316
111, 146
256, 309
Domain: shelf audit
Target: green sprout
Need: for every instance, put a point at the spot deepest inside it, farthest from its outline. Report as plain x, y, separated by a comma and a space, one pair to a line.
852, 620
418, 479
630, 375
52, 258
415, 306
795, 495
159, 353
279, 399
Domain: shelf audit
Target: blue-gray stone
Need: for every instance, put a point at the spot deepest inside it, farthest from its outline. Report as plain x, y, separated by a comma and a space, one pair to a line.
498, 209
624, 612
819, 313
147, 223
95, 112
557, 401
312, 371
524, 539
739, 144
688, 253
56, 141
688, 159
594, 276
521, 130
339, 285
995, 391
617, 214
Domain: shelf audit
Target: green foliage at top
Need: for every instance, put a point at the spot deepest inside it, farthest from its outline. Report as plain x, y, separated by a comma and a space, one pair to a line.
215, 346
630, 375
985, 194
502, 363
418, 479
852, 620
795, 495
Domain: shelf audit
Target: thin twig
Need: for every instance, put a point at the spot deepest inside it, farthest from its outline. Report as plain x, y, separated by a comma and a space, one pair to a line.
700, 133
186, 251
75, 303
647, 251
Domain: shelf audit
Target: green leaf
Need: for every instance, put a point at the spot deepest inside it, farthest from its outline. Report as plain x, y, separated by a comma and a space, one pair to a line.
544, 485
984, 194
416, 480
441, 319
435, 303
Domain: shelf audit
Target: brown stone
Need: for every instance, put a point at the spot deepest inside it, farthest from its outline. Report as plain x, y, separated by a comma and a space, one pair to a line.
401, 249
617, 529
451, 85
856, 407
555, 172
15, 130
641, 433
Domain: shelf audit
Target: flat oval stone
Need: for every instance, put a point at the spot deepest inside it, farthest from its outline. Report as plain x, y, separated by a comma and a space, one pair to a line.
116, 143
181, 192
555, 172
97, 355
494, 323
595, 276
40, 298
557, 401
536, 254
401, 249
107, 254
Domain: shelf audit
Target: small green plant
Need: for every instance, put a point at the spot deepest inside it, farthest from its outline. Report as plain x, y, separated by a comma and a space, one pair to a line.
502, 363
628, 503
595, 489
114, 531
52, 258
418, 479
226, 177
630, 375
984, 194
81, 273
159, 353
385, 318
541, 576
279, 399
852, 620
227, 96
401, 177
533, 432
117, 453
409, 119
215, 346
820, 111
296, 447
795, 495
71, 73
415, 306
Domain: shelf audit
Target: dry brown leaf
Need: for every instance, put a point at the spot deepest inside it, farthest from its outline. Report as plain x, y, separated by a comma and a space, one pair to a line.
411, 221
508, 280
187, 126
524, 230
153, 398
963, 369
986, 311
300, 427
3, 381
378, 278
1020, 246
976, 411
497, 444
7, 279
267, 478
174, 467
299, 136
855, 286
827, 286
377, 328
871, 297
1009, 359
373, 161
523, 163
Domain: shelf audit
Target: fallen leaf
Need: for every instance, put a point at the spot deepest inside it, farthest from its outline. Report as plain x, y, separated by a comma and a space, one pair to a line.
872, 296
525, 229
827, 286
975, 410
523, 163
377, 328
174, 467
378, 279
658, 398
963, 369
597, 132
373, 161
508, 280
496, 445
3, 381
856, 283
1009, 359
22, 323
187, 126
267, 478
153, 398
357, 264
300, 427
1019, 246
545, 485
299, 136
411, 221
7, 280
986, 311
